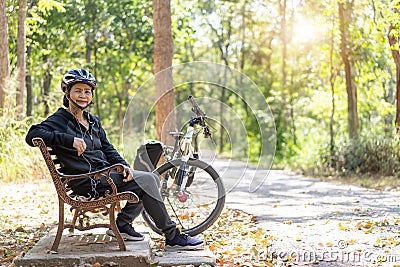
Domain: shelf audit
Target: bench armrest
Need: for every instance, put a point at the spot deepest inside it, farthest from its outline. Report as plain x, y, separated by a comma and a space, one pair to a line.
97, 175
117, 167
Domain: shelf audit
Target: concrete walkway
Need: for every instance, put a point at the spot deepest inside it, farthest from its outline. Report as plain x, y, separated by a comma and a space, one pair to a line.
316, 223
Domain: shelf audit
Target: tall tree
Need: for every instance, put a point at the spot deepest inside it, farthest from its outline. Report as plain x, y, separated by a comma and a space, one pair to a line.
21, 60
28, 79
47, 76
4, 56
345, 20
332, 77
223, 35
394, 47
163, 53
90, 12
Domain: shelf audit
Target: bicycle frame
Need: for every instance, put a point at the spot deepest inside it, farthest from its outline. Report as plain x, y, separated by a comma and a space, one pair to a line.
184, 169
187, 151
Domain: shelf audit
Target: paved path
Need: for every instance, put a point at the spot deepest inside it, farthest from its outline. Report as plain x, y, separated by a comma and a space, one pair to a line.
318, 223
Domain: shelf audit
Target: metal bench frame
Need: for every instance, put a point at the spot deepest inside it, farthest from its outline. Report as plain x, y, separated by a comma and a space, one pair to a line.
81, 205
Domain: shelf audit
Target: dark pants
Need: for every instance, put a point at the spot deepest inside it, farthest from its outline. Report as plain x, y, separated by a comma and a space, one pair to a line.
146, 186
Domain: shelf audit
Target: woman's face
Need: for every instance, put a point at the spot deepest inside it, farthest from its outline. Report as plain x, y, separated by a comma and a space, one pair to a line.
81, 93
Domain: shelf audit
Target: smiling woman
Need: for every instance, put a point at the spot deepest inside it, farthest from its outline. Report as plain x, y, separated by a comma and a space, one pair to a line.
81, 94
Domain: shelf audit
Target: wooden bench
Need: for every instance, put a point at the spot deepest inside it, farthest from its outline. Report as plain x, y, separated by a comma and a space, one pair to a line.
81, 205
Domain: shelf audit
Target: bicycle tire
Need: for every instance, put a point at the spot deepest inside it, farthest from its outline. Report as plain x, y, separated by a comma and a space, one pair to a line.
217, 205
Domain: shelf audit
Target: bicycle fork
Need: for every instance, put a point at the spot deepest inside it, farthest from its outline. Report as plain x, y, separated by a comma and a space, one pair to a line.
185, 178
182, 178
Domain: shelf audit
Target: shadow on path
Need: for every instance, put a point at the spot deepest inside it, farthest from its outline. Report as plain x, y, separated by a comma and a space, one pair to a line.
308, 215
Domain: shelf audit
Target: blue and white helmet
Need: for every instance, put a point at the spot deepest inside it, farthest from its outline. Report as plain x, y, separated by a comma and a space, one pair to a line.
77, 76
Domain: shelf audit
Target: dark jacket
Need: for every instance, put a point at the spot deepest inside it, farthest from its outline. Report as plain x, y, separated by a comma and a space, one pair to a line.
58, 132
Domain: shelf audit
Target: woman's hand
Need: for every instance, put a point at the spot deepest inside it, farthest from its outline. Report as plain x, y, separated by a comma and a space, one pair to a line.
80, 145
128, 174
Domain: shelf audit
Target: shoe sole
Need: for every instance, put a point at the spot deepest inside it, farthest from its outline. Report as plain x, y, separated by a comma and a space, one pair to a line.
125, 236
177, 248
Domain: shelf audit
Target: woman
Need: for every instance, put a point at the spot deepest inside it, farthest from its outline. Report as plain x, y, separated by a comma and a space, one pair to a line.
80, 143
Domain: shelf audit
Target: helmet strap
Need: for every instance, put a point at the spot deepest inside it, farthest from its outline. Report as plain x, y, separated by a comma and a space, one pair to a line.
76, 104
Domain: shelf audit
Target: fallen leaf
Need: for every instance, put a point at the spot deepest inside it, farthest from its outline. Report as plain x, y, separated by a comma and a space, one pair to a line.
8, 259
184, 216
351, 242
368, 231
341, 227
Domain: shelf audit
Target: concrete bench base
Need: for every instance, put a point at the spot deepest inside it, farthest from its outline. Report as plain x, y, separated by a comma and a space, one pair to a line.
83, 249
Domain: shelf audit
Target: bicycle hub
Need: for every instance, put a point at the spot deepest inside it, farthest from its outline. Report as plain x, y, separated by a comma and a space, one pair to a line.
181, 196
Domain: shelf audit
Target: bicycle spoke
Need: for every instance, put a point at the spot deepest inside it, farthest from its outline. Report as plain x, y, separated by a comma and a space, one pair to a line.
202, 203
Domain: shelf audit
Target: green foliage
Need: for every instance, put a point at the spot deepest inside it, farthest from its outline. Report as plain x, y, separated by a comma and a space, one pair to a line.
371, 154
114, 39
375, 155
18, 161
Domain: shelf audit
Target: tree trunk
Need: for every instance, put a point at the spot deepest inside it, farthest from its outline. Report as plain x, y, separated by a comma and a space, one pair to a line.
242, 40
46, 85
345, 12
396, 57
90, 12
332, 77
28, 80
163, 53
21, 60
284, 48
283, 123
4, 57
223, 46
221, 115
96, 100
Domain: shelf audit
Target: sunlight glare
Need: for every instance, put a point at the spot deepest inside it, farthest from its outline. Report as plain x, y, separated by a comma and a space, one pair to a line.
304, 30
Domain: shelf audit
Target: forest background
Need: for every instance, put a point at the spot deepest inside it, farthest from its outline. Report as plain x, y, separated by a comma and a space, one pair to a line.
329, 70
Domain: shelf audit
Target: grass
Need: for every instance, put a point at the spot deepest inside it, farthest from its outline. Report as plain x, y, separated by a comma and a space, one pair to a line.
18, 161
371, 181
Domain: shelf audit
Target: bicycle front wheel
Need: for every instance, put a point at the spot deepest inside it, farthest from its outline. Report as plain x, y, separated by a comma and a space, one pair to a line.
199, 203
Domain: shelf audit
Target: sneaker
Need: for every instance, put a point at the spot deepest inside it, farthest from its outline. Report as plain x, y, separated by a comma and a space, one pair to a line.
183, 242
127, 233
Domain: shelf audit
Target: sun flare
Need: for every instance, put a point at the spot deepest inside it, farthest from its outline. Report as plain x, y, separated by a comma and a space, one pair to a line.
304, 30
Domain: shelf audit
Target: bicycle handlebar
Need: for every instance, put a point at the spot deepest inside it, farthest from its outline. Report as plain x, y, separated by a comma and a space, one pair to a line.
195, 107
200, 116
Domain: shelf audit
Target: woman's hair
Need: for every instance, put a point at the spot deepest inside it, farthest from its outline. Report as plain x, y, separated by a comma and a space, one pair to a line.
65, 100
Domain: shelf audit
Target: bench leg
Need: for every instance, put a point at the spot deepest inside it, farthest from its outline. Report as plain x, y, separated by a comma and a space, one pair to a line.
114, 227
74, 219
60, 228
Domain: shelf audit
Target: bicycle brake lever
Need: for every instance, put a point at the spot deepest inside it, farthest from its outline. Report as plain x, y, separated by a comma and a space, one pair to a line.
207, 133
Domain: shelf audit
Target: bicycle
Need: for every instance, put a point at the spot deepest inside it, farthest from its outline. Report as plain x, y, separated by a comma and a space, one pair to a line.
192, 190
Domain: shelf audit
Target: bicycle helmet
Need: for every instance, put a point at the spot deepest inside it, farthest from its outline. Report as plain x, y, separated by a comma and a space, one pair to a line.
77, 76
